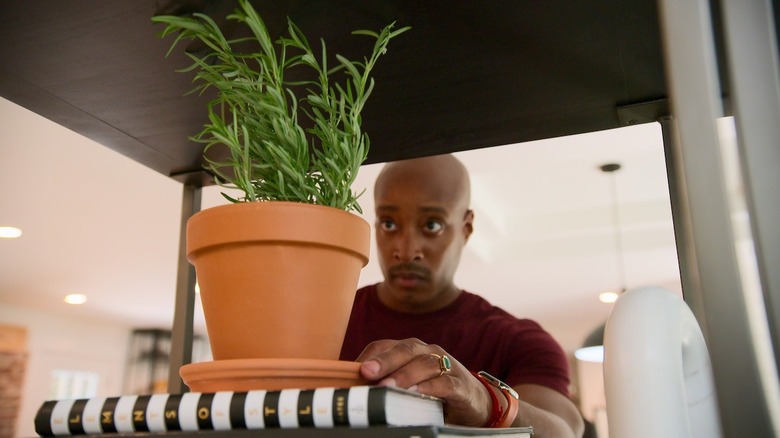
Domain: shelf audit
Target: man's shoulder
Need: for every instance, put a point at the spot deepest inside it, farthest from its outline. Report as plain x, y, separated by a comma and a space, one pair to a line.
367, 289
473, 298
493, 313
365, 294
477, 303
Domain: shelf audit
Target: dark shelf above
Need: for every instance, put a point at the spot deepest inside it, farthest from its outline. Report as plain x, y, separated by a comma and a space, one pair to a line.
468, 75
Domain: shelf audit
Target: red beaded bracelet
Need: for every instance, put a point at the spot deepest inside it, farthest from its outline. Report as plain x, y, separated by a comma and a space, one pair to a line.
498, 416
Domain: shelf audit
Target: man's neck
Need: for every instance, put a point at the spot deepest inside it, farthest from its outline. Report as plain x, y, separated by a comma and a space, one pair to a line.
412, 303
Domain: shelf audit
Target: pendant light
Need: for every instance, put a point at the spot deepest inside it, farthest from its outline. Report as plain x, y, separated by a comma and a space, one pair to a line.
592, 349
610, 170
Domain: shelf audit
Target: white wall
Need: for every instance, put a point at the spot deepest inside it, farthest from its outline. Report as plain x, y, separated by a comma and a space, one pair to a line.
57, 341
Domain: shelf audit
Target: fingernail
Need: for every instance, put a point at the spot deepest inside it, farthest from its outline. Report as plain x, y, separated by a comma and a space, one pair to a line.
371, 368
388, 382
413, 388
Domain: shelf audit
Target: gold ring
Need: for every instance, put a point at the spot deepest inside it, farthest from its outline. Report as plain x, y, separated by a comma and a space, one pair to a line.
445, 365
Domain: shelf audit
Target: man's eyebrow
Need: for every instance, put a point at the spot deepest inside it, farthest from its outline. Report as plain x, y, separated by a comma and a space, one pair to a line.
423, 209
433, 209
386, 208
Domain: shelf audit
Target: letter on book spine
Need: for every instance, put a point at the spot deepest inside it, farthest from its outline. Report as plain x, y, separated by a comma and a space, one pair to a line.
93, 414
155, 417
322, 402
220, 411
305, 408
107, 415
171, 413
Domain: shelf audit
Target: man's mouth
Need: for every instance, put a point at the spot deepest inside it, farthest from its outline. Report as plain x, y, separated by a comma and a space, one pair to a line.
406, 276
407, 281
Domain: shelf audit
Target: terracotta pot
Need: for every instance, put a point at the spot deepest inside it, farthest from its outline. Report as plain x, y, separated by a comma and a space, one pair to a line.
277, 279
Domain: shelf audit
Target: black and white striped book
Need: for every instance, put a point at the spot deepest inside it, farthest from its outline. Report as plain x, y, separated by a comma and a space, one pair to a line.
359, 406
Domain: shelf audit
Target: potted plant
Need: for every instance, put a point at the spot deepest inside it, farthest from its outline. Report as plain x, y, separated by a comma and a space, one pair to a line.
288, 252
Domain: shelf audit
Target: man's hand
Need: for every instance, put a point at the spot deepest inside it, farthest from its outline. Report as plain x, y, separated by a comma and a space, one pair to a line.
415, 365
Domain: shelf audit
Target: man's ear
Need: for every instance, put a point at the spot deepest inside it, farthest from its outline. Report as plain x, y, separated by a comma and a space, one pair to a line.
468, 224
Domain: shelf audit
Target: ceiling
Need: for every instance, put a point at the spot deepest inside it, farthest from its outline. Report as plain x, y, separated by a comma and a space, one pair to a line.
98, 192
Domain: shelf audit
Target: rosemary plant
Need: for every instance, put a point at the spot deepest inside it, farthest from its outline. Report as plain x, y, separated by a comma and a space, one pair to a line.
256, 112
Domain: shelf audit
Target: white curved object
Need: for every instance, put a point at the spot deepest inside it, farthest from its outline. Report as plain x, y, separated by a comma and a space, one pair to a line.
657, 371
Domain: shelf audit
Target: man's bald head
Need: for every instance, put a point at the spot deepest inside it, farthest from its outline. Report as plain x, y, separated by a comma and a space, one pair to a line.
443, 175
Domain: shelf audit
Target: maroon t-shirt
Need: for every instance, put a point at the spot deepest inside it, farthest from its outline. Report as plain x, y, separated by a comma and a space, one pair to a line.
476, 333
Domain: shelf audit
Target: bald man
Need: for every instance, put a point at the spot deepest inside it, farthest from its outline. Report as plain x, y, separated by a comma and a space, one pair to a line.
418, 330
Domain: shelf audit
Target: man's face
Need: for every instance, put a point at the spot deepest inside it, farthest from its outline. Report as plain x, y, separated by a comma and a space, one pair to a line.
421, 227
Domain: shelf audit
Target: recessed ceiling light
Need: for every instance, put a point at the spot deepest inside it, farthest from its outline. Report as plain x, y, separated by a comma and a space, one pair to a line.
10, 232
590, 354
75, 298
608, 297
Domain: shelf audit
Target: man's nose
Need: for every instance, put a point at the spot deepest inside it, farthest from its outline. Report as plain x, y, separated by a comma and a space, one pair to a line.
408, 247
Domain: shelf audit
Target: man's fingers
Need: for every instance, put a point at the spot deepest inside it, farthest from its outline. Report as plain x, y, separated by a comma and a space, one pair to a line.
375, 348
421, 368
385, 358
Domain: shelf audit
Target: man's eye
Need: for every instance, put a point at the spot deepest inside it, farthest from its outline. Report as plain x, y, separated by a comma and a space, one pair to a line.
387, 225
433, 226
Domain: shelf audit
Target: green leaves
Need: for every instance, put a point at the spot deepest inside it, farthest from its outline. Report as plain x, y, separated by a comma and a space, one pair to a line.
255, 115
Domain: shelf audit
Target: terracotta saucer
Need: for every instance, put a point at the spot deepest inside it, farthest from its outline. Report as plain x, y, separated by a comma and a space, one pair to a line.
270, 374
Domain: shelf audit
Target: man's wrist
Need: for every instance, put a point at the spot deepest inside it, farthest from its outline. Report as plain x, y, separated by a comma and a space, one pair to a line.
495, 407
501, 414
